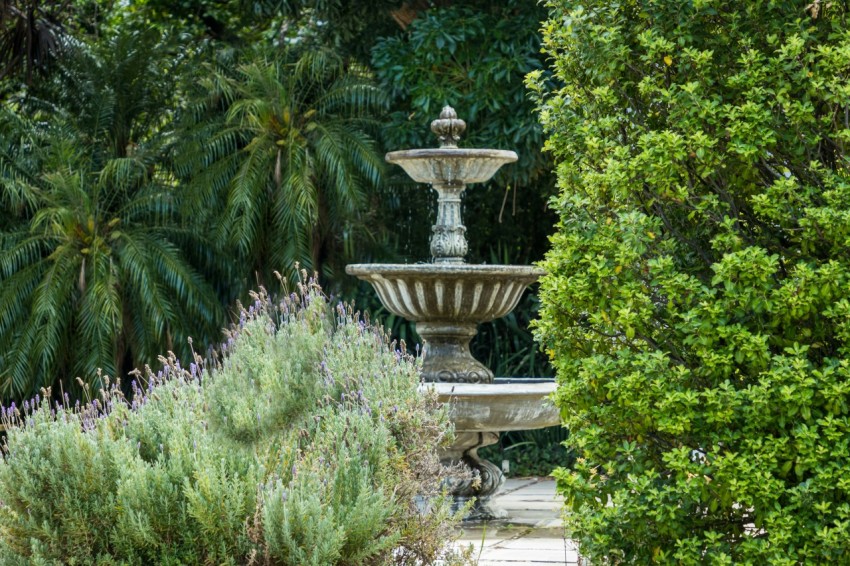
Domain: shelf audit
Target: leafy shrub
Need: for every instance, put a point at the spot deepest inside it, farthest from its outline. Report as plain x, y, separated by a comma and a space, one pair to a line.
305, 442
697, 297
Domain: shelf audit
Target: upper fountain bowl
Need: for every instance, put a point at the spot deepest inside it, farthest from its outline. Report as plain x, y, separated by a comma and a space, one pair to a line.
451, 165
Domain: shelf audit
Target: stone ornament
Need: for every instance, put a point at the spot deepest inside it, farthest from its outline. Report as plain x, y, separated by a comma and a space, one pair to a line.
448, 127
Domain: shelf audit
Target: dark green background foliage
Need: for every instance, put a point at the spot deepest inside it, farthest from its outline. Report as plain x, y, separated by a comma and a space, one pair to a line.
172, 156
473, 56
227, 21
97, 270
698, 301
531, 452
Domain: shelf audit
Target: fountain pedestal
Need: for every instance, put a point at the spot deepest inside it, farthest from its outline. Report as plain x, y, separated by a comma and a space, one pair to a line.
447, 355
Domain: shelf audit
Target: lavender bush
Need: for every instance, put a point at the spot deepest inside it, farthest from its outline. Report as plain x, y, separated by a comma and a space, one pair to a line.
303, 441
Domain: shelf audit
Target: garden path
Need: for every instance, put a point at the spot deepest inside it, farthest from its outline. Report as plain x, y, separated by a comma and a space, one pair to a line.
533, 536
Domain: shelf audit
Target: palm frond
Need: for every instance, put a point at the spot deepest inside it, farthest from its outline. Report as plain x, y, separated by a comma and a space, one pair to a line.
295, 117
99, 320
248, 191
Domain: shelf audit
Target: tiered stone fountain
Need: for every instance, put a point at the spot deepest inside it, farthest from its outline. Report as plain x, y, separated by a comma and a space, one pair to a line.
448, 298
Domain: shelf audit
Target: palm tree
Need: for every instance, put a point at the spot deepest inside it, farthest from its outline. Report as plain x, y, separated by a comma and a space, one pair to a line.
92, 272
281, 161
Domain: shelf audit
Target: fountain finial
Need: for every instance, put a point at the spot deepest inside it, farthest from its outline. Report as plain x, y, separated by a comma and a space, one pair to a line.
448, 127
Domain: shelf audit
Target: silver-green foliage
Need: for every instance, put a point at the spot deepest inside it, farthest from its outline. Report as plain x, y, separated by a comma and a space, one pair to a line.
306, 443
697, 303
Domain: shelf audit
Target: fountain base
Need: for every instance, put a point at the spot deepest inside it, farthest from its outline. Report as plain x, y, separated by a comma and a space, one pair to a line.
479, 413
486, 478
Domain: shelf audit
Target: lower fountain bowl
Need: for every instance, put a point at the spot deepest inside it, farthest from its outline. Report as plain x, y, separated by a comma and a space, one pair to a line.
505, 404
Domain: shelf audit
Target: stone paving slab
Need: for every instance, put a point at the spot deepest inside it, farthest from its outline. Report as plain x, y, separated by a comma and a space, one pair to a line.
532, 535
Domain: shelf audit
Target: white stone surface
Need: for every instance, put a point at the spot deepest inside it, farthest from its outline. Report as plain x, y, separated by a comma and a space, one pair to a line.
534, 534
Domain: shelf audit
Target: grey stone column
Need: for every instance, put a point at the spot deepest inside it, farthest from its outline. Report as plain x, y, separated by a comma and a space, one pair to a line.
448, 239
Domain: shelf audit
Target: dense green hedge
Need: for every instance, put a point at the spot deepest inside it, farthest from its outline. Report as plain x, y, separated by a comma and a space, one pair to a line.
698, 298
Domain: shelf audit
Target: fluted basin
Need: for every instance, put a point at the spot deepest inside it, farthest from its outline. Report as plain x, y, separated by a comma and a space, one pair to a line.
447, 292
447, 302
451, 166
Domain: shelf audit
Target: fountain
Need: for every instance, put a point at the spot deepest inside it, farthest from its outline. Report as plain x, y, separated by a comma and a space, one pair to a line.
447, 299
